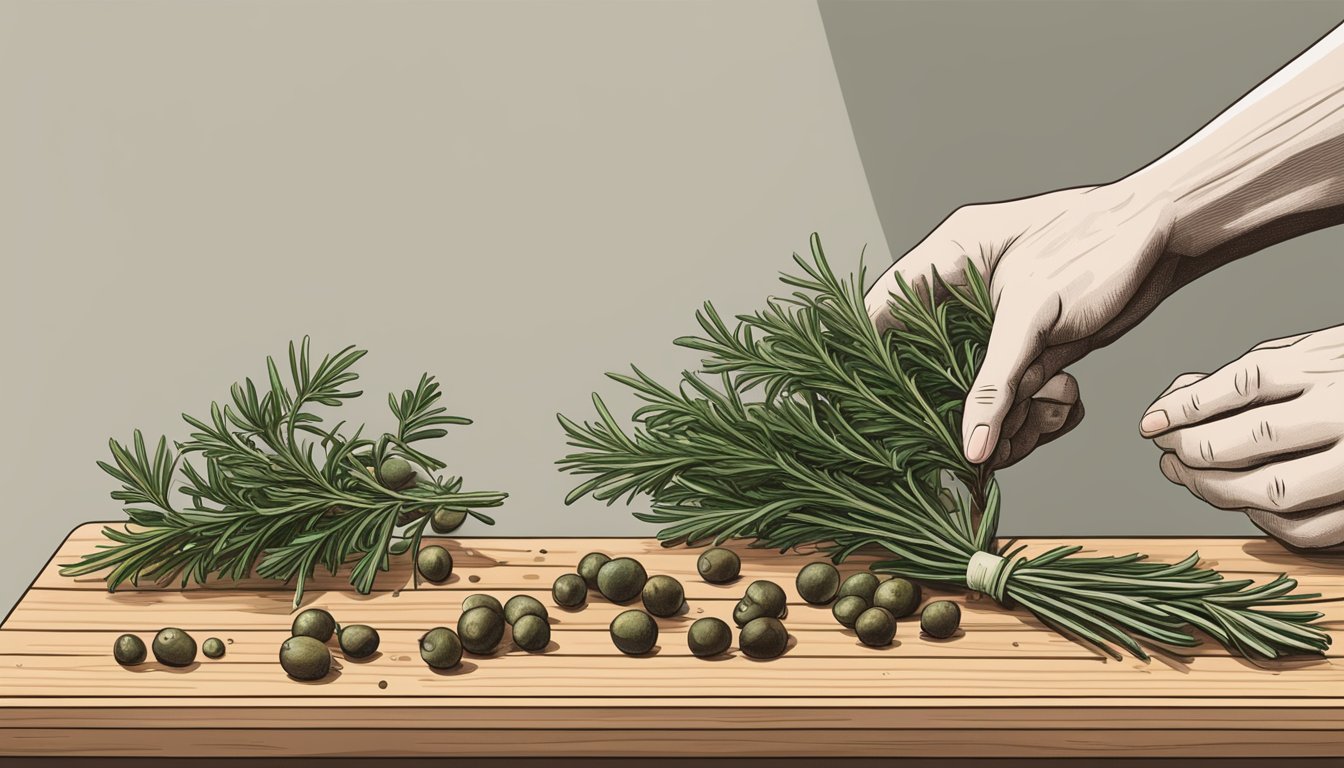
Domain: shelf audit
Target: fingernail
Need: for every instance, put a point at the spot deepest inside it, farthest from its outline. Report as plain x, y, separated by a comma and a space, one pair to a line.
977, 445
1154, 421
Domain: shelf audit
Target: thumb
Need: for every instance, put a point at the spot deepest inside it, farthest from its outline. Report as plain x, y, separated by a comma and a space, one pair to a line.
1017, 338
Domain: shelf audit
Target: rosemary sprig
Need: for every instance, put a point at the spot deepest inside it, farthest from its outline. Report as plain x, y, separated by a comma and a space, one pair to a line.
820, 431
280, 492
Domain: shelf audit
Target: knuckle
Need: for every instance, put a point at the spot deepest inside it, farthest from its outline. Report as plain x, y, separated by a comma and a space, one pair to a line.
1276, 492
954, 222
1247, 380
965, 211
1195, 449
1263, 433
1180, 382
992, 393
1206, 451
1190, 405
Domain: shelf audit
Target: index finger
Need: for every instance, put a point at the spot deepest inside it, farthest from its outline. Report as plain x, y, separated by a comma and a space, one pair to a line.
1236, 385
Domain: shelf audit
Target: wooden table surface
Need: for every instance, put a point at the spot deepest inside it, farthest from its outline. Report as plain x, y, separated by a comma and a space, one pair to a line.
1005, 686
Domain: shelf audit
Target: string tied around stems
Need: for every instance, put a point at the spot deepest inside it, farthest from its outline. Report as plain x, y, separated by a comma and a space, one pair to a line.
989, 573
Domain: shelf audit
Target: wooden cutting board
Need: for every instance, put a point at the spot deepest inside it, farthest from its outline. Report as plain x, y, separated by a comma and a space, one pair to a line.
1005, 686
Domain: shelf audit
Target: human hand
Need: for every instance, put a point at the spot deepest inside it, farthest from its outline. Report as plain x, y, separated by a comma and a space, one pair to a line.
1262, 435
1068, 271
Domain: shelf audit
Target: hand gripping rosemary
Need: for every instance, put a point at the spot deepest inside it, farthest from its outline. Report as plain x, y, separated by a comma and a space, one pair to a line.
272, 500
822, 432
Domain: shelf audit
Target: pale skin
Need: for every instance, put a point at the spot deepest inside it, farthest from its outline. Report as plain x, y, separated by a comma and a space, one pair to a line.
1070, 271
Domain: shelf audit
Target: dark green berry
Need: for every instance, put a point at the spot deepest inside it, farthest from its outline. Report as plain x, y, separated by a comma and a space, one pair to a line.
863, 584
900, 596
846, 610
531, 632
441, 648
174, 647
434, 563
213, 648
940, 619
634, 632
875, 627
818, 582
569, 590
482, 601
447, 520
480, 630
763, 638
305, 658
523, 605
315, 623
718, 565
621, 580
709, 637
589, 567
396, 472
663, 596
129, 650
763, 599
358, 641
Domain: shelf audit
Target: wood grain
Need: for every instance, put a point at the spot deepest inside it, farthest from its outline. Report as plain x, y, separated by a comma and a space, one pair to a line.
1006, 686
731, 713
875, 674
658, 741
491, 560
64, 610
262, 645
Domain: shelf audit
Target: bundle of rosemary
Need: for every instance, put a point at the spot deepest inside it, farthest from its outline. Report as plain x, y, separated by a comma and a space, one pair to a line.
272, 500
823, 432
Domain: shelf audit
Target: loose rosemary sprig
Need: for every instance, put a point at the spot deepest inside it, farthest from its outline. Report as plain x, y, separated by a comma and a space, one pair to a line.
280, 492
822, 432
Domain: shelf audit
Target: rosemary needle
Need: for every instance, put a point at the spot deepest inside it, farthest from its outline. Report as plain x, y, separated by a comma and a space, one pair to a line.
280, 492
807, 427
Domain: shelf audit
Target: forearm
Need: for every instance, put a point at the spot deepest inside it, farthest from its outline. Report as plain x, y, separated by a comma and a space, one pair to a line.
1269, 168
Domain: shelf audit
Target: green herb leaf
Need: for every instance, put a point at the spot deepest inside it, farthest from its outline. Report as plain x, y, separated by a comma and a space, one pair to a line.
269, 498
807, 427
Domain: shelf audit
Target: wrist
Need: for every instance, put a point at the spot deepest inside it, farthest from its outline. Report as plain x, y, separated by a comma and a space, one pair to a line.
1195, 192
1150, 195
1259, 174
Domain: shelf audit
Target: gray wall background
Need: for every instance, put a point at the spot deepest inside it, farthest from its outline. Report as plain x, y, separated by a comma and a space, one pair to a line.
519, 196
